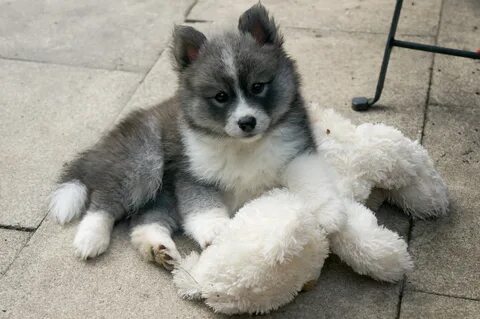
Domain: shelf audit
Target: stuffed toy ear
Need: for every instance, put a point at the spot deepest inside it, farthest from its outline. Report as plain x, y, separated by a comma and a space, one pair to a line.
186, 45
260, 26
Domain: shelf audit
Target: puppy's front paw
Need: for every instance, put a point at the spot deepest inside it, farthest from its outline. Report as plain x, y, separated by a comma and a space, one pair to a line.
209, 232
154, 243
167, 257
205, 226
93, 235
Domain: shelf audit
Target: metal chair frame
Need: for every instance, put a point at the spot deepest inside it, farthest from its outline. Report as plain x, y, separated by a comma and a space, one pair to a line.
363, 103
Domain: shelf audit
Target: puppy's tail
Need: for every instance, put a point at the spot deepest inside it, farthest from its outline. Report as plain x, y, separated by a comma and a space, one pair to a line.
68, 201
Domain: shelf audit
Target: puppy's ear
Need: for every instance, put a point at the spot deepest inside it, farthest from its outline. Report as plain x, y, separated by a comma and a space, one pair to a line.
186, 45
260, 26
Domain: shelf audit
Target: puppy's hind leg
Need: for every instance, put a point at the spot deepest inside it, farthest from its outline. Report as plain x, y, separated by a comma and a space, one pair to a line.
95, 229
152, 230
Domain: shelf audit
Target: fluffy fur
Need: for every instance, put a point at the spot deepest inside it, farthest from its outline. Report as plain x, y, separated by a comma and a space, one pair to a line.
93, 234
328, 189
235, 121
68, 201
269, 250
377, 155
154, 242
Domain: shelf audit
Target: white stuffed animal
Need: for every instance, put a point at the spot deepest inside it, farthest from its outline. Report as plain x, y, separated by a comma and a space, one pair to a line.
272, 247
277, 243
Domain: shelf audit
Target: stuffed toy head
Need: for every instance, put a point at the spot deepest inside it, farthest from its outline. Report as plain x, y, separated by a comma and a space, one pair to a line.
270, 250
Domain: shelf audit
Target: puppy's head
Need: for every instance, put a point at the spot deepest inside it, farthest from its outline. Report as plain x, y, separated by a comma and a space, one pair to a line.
236, 85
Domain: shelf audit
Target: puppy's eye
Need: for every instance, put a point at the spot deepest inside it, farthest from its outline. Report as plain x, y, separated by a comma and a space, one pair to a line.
258, 88
221, 97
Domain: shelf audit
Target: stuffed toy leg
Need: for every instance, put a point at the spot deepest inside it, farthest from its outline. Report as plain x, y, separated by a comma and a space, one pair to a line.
352, 228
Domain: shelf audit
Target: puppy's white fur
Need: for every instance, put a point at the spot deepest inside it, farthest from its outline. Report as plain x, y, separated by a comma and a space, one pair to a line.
67, 202
245, 170
204, 226
93, 234
148, 239
313, 179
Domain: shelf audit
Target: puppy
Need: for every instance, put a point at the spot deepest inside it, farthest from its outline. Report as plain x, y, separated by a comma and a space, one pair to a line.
236, 121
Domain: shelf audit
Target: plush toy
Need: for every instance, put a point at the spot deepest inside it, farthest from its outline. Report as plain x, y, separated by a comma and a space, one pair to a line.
276, 244
272, 247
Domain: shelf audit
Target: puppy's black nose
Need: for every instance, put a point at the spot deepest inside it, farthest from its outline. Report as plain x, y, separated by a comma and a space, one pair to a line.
247, 123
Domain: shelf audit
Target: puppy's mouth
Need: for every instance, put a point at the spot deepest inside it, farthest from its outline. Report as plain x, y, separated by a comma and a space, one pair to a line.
247, 137
251, 138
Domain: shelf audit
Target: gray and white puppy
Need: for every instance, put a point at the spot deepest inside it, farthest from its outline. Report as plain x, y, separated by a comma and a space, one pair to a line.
236, 120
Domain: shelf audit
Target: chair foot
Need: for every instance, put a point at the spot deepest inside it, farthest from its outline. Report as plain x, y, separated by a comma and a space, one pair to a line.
360, 104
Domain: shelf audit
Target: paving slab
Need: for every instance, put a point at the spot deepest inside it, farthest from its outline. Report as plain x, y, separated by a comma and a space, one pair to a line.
427, 306
47, 114
418, 17
159, 85
11, 242
456, 80
47, 281
446, 251
126, 35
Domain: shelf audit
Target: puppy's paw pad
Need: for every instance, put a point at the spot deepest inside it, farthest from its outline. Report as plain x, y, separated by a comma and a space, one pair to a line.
165, 257
309, 285
212, 231
154, 243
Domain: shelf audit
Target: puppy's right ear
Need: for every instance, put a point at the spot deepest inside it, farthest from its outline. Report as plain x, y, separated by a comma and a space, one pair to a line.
257, 22
187, 43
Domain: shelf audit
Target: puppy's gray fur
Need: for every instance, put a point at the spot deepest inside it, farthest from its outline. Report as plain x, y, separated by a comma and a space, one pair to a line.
188, 161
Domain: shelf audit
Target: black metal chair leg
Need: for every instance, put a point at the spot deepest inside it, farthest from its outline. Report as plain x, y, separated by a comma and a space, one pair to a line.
363, 103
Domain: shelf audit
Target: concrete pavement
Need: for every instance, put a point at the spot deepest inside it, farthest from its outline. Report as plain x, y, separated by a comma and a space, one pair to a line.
70, 69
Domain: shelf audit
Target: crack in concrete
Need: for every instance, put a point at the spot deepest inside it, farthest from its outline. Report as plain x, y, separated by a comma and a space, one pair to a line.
79, 66
445, 295
19, 228
422, 136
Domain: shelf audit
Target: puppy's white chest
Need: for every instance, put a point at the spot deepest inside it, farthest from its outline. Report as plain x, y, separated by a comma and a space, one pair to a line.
242, 170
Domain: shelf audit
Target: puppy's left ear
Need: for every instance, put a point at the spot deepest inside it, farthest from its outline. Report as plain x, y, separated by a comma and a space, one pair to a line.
260, 26
187, 43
